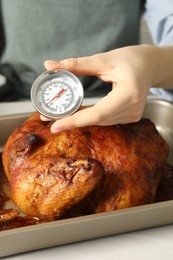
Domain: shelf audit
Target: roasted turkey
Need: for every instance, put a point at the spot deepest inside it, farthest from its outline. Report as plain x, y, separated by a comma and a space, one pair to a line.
85, 170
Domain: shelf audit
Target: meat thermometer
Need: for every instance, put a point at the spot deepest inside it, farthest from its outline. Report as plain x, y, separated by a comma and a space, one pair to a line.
57, 93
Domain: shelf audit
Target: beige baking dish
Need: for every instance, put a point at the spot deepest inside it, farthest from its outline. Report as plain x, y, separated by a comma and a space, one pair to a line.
98, 225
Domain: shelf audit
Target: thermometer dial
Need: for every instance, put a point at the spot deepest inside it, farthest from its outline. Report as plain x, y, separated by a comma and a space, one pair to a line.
56, 94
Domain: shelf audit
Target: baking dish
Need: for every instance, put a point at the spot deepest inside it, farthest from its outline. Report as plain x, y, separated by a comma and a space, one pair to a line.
97, 225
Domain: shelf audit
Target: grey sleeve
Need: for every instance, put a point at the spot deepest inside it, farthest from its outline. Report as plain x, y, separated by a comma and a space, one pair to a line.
159, 18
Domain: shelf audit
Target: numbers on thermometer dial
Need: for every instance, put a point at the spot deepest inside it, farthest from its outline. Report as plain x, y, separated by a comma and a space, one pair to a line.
58, 95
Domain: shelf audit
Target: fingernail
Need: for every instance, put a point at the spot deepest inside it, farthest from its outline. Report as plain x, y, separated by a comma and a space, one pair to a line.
52, 61
56, 130
43, 118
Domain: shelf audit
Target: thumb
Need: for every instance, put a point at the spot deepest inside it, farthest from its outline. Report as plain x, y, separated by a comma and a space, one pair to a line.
84, 117
81, 66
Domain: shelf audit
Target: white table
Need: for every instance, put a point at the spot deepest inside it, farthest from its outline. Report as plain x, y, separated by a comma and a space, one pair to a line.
155, 243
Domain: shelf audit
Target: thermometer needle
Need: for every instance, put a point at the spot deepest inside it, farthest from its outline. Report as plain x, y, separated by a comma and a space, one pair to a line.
57, 95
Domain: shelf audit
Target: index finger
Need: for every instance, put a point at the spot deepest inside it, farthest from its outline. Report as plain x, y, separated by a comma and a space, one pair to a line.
91, 65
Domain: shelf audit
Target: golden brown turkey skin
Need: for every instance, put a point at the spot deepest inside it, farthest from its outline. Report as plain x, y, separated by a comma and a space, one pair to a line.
110, 167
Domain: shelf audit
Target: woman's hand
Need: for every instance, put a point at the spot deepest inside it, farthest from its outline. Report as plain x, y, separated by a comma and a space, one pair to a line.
131, 71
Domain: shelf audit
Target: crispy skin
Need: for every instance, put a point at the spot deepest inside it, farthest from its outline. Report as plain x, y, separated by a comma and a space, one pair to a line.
102, 168
8, 215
